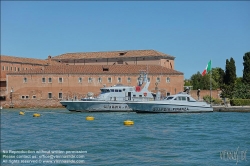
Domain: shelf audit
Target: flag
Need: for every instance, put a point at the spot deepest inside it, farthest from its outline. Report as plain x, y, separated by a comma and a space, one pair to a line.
207, 69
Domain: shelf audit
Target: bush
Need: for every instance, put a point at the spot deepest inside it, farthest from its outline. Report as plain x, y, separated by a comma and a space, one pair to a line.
239, 102
213, 100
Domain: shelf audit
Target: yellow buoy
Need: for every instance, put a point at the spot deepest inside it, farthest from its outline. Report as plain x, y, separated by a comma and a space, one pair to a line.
90, 118
36, 115
128, 122
21, 113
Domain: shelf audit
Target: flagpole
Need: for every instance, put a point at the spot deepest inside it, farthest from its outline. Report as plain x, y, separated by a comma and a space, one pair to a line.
211, 84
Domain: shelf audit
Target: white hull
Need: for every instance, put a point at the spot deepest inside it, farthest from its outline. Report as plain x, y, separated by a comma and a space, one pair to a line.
96, 106
169, 107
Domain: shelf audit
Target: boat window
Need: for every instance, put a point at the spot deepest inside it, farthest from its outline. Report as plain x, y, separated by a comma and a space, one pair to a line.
120, 90
104, 91
123, 89
134, 95
111, 90
169, 98
183, 98
140, 95
175, 99
188, 99
116, 90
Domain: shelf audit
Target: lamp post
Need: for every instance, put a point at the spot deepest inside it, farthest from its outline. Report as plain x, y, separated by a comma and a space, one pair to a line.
11, 104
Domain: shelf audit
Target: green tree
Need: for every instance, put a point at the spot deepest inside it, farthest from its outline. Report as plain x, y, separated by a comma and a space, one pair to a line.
202, 82
242, 91
229, 79
230, 72
246, 70
217, 76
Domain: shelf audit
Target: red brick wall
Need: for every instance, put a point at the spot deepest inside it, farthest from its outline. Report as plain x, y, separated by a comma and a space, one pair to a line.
71, 87
214, 93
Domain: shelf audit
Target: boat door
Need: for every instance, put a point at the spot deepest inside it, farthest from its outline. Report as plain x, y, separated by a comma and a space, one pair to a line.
129, 95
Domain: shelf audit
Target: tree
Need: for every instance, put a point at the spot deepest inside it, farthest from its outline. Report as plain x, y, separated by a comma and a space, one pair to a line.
246, 70
230, 72
217, 76
242, 91
202, 82
229, 79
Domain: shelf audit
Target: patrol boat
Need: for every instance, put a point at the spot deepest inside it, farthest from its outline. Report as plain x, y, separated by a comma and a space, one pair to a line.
113, 99
178, 103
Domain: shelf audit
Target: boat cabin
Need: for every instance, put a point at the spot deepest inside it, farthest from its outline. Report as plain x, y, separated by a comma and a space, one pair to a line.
182, 96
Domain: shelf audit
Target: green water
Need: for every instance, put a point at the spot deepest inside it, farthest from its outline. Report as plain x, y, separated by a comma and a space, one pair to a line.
154, 139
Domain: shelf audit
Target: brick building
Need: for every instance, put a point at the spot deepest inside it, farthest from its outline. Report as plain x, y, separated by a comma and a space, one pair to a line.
15, 64
43, 83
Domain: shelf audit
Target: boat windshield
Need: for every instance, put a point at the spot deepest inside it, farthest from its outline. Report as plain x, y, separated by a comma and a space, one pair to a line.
105, 91
169, 98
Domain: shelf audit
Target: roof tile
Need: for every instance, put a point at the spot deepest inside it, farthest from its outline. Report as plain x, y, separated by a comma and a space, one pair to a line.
111, 54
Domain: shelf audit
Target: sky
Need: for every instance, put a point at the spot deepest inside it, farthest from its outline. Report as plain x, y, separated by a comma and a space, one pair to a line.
194, 32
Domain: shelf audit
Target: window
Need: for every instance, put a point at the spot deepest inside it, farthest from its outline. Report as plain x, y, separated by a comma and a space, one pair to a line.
7, 68
90, 80
43, 80
100, 79
129, 79
50, 80
25, 79
2, 67
148, 79
158, 79
168, 80
11, 68
60, 95
23, 97
79, 79
50, 95
109, 79
60, 80
119, 79
18, 69
15, 68
27, 97
34, 97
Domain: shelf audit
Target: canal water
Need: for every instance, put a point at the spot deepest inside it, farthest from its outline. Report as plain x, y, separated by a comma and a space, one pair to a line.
59, 137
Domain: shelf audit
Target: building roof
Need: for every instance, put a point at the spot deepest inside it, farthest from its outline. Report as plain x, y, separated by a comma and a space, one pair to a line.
112, 54
98, 69
13, 59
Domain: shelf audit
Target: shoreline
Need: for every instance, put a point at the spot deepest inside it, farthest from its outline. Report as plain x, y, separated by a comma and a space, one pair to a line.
231, 108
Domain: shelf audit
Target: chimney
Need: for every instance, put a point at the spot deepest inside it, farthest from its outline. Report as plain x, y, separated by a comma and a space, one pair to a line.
49, 59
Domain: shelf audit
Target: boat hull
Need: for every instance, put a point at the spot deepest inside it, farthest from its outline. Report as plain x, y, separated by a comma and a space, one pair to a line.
169, 108
96, 106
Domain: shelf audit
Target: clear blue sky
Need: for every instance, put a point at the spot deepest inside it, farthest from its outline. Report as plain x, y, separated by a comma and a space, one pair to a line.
194, 31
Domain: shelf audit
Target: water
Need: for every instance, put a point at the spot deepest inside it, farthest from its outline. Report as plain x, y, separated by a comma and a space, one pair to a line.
154, 139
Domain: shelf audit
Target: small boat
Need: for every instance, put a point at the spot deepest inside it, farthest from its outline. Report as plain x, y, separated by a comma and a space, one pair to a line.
178, 103
112, 99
